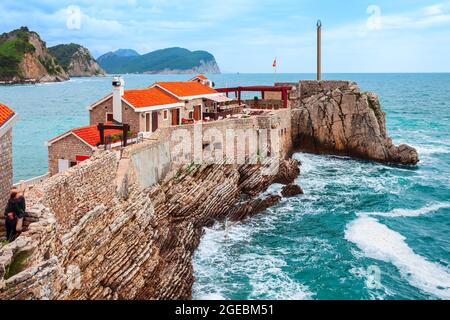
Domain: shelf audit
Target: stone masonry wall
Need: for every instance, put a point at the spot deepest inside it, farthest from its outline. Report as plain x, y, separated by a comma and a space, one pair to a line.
6, 174
71, 194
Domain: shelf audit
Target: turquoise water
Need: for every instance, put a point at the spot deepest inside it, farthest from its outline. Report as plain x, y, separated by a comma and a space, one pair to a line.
361, 231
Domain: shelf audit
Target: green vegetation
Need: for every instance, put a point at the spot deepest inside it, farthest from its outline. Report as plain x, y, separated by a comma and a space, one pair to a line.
13, 46
18, 264
165, 59
64, 53
51, 65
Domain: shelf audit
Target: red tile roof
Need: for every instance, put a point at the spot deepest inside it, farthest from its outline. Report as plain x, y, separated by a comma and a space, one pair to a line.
186, 88
149, 97
5, 114
91, 135
200, 76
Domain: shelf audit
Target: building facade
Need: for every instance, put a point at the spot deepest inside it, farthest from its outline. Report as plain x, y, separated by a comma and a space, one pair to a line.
73, 147
7, 119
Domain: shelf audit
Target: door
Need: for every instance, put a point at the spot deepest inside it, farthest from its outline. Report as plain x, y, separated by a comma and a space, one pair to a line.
147, 122
197, 113
154, 121
63, 165
175, 117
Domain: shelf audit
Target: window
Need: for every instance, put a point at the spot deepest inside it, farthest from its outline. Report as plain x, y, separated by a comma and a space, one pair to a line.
191, 114
109, 117
166, 114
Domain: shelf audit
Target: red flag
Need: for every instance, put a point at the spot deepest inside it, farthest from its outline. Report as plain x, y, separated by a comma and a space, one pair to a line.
275, 63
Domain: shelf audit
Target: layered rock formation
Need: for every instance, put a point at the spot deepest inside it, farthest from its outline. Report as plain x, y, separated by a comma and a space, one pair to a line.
336, 117
76, 60
102, 244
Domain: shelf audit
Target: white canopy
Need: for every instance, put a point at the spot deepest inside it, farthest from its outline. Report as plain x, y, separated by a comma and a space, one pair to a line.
221, 98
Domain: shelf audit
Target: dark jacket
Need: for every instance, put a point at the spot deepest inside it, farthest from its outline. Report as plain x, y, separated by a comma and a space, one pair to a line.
17, 206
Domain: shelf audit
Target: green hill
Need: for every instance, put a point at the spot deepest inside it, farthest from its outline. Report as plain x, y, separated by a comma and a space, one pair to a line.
13, 46
171, 60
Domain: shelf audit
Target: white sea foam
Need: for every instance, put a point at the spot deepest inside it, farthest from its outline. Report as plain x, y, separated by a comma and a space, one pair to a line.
428, 150
274, 189
379, 242
410, 212
263, 270
211, 296
269, 281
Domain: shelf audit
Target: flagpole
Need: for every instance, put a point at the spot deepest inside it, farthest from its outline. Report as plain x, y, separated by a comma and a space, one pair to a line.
275, 73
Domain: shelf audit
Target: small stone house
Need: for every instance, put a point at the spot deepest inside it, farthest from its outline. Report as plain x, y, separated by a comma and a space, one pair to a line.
73, 147
163, 104
7, 119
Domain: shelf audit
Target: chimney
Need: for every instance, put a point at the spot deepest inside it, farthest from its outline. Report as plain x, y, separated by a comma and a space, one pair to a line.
118, 89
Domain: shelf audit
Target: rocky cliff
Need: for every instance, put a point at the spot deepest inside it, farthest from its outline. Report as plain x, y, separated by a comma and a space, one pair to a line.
24, 56
138, 244
76, 60
336, 117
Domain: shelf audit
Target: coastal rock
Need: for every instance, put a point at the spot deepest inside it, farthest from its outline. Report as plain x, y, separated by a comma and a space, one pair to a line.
76, 60
30, 59
291, 190
90, 242
335, 117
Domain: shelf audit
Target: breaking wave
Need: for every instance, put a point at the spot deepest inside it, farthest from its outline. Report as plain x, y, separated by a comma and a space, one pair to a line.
379, 242
410, 212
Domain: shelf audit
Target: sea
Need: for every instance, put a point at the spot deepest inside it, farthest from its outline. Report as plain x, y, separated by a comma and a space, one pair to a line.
362, 230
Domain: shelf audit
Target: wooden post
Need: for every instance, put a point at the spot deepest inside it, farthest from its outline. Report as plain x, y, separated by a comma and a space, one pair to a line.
101, 130
285, 98
126, 128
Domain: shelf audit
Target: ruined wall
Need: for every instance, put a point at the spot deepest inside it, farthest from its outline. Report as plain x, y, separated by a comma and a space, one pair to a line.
6, 175
67, 148
266, 103
308, 88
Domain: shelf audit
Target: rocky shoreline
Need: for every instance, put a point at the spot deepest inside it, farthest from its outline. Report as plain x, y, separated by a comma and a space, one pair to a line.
99, 234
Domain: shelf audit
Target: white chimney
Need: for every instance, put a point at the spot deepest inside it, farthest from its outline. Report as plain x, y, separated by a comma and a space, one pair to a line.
118, 90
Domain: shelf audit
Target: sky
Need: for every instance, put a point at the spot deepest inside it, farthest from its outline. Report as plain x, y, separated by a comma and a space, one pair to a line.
246, 35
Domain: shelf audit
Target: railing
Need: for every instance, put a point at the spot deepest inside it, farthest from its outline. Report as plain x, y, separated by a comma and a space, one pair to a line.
222, 114
22, 184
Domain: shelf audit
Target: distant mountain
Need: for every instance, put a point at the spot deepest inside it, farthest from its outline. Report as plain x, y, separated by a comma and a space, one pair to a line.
76, 60
126, 53
166, 61
25, 57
